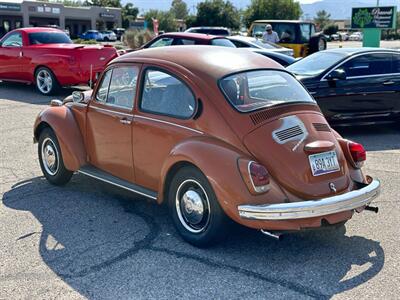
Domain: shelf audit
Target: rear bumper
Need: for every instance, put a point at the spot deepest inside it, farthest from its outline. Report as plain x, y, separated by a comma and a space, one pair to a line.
312, 208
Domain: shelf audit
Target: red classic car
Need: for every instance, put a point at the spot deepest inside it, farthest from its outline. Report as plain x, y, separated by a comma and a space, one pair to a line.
47, 58
215, 133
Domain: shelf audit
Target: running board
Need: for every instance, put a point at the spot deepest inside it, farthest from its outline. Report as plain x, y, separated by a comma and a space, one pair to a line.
111, 179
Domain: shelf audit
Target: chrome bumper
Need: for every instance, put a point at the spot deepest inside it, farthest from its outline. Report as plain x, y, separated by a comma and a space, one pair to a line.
312, 208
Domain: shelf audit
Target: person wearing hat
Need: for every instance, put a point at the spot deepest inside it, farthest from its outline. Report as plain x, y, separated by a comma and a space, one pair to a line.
270, 35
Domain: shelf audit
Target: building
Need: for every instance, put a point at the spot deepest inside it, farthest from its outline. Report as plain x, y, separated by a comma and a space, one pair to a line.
28, 13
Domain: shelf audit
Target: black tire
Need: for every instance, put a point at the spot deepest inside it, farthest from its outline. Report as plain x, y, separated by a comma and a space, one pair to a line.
213, 226
317, 43
45, 81
55, 173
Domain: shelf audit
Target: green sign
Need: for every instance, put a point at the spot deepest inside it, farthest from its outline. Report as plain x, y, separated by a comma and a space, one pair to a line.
10, 6
382, 17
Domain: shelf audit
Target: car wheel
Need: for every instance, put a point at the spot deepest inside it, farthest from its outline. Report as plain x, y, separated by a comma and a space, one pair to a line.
194, 208
46, 82
321, 44
106, 39
317, 43
50, 158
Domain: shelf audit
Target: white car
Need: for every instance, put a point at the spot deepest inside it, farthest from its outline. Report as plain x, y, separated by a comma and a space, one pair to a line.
252, 42
356, 36
108, 35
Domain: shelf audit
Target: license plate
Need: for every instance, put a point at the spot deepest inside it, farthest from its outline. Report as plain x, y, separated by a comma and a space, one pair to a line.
323, 163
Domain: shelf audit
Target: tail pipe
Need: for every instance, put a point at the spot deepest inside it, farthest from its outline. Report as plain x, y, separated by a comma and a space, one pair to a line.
372, 208
276, 236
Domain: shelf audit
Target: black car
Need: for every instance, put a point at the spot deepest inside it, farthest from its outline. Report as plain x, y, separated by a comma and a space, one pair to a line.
353, 85
280, 58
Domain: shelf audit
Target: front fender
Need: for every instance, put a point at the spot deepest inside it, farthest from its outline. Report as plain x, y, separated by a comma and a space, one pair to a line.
62, 121
218, 161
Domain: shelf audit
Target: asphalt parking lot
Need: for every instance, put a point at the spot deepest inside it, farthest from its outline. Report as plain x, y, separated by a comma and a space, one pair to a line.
90, 240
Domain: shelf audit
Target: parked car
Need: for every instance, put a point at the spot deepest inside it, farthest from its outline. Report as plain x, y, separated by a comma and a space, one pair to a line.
334, 37
189, 127
353, 85
183, 38
343, 36
300, 36
108, 35
119, 32
221, 31
252, 42
47, 58
92, 35
282, 59
356, 36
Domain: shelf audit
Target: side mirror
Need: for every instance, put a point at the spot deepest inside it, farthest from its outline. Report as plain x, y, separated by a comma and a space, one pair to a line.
337, 74
78, 97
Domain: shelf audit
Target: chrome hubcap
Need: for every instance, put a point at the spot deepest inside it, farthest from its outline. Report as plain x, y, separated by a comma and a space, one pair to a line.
50, 156
192, 206
44, 81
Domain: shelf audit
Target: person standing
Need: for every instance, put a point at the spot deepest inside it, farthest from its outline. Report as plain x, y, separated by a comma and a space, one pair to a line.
270, 35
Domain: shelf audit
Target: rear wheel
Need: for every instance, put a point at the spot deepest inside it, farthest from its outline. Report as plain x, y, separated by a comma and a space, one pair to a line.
194, 208
50, 158
46, 82
317, 43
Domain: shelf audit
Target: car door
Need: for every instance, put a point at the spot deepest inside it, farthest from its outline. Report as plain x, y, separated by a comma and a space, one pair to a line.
164, 118
363, 94
109, 122
11, 57
394, 82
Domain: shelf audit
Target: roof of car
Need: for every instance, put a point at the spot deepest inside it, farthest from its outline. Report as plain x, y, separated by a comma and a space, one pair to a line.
203, 61
351, 51
199, 36
39, 29
282, 21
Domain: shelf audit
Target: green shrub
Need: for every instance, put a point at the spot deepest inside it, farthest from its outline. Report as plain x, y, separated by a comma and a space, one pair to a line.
85, 42
136, 38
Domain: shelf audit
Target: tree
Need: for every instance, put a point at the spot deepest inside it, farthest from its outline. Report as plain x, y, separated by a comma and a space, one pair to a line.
103, 3
166, 20
129, 14
331, 29
217, 13
179, 9
271, 9
322, 19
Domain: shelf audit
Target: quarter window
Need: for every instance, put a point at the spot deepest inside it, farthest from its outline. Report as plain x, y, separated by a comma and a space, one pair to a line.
14, 40
368, 64
166, 95
118, 87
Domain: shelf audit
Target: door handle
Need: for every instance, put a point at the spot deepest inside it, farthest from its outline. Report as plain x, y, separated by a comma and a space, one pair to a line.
388, 83
21, 54
125, 121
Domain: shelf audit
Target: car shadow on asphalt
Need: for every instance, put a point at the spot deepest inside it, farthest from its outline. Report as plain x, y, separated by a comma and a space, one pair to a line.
94, 235
373, 137
28, 94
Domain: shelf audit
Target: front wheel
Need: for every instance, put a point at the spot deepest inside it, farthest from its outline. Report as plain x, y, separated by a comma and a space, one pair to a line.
46, 82
50, 158
195, 210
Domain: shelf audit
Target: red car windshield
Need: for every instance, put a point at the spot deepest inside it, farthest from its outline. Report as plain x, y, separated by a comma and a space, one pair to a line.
39, 38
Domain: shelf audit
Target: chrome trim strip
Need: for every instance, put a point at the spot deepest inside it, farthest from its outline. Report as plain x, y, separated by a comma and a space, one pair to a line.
356, 55
376, 75
169, 123
110, 111
312, 208
116, 184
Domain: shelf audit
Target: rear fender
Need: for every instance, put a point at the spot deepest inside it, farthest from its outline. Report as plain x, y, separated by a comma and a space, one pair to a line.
218, 161
62, 121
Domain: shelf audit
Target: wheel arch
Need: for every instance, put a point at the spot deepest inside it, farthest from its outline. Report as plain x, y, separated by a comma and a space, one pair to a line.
62, 121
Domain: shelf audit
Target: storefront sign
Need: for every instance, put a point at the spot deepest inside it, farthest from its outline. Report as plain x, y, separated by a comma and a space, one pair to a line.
373, 17
107, 15
10, 6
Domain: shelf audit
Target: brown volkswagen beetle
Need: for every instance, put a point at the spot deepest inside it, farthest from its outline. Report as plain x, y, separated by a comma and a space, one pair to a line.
216, 133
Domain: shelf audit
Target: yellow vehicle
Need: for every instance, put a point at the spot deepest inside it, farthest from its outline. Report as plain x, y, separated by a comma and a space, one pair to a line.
300, 36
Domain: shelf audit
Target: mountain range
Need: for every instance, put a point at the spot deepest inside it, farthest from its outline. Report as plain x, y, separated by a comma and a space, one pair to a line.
339, 9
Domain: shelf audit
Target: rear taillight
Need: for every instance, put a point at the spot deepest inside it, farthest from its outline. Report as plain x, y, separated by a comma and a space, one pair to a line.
357, 153
259, 177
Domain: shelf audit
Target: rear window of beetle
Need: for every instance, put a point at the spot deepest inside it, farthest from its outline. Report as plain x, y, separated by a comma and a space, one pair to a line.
252, 90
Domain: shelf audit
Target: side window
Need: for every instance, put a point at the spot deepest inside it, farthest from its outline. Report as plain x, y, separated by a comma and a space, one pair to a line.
305, 33
102, 92
14, 40
180, 41
162, 42
166, 95
396, 63
118, 87
368, 64
240, 44
122, 87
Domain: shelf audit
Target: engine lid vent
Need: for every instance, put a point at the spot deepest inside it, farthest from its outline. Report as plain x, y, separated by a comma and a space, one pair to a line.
322, 127
292, 129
